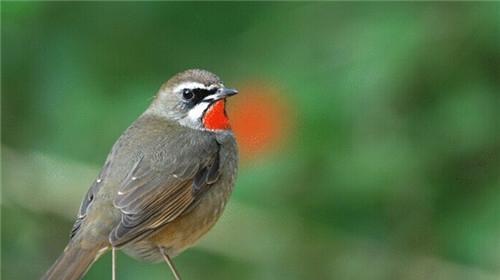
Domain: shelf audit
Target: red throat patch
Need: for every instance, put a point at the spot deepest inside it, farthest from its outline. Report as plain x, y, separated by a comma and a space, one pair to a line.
215, 118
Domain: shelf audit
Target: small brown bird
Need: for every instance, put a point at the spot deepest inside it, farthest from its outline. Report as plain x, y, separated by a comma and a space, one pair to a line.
165, 182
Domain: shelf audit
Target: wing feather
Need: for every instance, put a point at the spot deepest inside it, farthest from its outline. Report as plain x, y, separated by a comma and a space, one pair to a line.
150, 197
163, 177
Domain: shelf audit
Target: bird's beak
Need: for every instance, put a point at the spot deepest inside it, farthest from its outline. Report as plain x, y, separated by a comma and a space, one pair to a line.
226, 92
221, 93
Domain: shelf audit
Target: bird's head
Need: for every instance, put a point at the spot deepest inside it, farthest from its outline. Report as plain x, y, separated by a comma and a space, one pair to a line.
195, 98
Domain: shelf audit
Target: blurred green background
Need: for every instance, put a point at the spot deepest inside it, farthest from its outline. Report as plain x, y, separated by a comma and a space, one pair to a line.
389, 168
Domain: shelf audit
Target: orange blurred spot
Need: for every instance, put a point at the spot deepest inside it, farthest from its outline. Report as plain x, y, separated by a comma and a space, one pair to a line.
260, 118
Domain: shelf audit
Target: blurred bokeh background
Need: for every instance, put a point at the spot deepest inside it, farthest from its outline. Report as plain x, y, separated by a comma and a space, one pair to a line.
369, 132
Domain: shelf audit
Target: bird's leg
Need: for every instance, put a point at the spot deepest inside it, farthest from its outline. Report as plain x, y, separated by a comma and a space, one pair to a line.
170, 263
113, 263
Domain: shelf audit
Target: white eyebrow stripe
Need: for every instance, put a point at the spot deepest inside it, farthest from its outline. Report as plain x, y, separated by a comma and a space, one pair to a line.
190, 85
193, 85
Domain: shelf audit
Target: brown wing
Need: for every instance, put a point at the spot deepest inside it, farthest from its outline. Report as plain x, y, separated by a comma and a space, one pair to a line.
88, 199
151, 196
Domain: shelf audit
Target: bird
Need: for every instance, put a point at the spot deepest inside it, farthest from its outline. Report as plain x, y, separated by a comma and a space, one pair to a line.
165, 182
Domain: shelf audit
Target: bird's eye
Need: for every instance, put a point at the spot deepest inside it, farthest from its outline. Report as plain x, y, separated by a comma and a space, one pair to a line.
187, 94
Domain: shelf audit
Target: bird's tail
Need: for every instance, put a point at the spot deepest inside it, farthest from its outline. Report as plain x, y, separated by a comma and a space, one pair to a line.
74, 261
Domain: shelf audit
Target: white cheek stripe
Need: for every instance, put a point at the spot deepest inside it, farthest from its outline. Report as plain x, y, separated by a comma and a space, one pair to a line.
196, 112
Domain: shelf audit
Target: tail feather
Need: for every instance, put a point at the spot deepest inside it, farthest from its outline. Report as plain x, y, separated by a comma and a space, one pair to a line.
74, 262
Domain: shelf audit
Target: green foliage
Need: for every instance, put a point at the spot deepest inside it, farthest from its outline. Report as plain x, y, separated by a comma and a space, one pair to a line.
391, 170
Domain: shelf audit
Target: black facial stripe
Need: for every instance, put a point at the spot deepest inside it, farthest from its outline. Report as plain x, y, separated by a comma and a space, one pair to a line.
199, 95
202, 92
